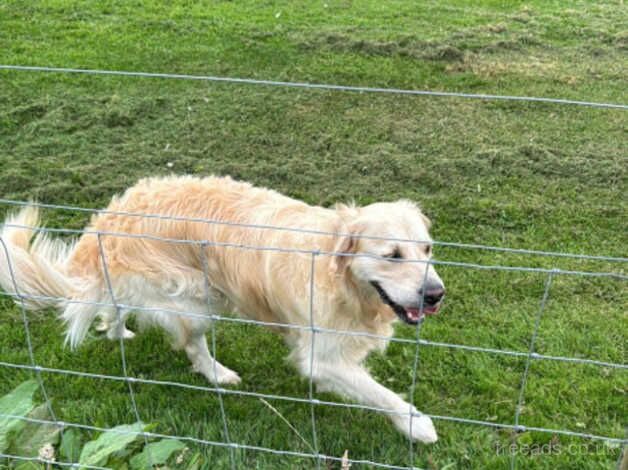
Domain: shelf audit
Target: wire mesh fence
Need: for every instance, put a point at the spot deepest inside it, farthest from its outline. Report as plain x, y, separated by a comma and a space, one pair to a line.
318, 458
529, 356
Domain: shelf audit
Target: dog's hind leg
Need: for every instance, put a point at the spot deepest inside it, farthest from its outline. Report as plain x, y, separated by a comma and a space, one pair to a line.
187, 320
117, 329
195, 343
114, 328
202, 361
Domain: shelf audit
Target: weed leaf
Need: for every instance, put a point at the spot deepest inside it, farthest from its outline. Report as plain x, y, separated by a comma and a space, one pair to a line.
70, 448
34, 436
97, 452
156, 453
17, 403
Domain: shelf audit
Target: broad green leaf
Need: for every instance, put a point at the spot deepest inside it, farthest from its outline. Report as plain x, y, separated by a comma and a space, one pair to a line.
97, 452
156, 453
33, 436
70, 448
118, 463
17, 403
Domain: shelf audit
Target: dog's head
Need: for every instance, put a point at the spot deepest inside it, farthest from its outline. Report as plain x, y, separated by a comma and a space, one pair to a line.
393, 272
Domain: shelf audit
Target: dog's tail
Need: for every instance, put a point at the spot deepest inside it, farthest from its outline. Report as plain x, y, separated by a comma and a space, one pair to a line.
33, 271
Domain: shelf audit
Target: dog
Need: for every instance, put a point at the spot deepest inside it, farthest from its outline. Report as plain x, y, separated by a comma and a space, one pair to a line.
213, 244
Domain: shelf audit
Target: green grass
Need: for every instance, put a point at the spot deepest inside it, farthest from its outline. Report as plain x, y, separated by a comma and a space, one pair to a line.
528, 175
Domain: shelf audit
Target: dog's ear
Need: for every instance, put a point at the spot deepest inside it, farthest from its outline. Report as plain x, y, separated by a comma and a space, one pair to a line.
346, 243
426, 220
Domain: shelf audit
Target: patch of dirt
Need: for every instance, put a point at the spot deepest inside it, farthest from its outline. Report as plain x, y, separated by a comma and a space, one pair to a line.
535, 159
486, 39
513, 44
25, 114
524, 16
403, 47
620, 40
488, 68
118, 118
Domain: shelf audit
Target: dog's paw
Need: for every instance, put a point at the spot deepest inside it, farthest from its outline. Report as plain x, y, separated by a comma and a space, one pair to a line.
418, 427
228, 377
128, 334
221, 375
102, 326
115, 333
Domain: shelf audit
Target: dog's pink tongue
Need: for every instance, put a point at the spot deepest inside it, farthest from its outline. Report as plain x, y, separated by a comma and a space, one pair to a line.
413, 313
416, 313
431, 310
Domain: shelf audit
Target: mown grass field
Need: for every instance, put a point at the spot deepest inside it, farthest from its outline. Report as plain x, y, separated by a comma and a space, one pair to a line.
529, 175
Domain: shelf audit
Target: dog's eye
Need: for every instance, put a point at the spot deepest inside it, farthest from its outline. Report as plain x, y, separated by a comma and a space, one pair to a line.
428, 250
394, 255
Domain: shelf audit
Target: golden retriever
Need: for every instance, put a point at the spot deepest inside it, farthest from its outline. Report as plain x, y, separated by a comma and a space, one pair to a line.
229, 257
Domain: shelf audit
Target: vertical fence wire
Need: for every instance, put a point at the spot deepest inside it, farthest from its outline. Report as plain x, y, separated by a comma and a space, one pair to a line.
27, 333
119, 323
312, 342
416, 362
622, 461
526, 371
212, 326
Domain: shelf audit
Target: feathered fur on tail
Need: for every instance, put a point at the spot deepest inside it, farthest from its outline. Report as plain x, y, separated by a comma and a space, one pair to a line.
33, 269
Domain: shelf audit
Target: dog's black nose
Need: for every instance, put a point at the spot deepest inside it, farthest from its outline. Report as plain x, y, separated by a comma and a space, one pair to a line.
433, 294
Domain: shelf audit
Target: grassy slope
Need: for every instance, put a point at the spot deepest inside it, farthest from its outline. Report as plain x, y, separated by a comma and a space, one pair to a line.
510, 174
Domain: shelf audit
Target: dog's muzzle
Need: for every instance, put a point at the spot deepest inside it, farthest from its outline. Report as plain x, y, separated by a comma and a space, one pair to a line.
432, 301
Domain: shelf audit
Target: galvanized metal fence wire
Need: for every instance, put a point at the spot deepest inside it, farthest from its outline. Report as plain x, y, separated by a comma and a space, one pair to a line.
21, 298
418, 342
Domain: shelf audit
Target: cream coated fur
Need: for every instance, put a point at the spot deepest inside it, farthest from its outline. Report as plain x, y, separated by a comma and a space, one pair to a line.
161, 278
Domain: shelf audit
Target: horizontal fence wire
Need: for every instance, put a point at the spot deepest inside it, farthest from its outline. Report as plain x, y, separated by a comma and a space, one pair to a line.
319, 329
48, 462
243, 246
518, 251
148, 434
195, 440
314, 401
316, 86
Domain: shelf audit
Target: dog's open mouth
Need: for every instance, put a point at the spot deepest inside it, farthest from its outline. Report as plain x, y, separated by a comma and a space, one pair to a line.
409, 315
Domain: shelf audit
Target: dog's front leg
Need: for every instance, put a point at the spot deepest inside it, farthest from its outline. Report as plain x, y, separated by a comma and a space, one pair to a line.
356, 383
